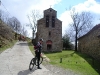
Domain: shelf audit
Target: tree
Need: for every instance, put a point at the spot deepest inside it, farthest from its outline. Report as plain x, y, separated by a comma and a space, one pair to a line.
24, 32
82, 23
15, 24
66, 42
4, 16
33, 17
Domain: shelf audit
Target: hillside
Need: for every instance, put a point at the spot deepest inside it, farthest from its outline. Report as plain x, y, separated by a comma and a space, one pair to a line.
6, 35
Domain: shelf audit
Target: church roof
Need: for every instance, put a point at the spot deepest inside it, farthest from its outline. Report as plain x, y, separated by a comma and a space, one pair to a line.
49, 9
94, 28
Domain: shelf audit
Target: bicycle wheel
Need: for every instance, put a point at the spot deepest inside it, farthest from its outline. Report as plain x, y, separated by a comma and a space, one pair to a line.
31, 65
41, 59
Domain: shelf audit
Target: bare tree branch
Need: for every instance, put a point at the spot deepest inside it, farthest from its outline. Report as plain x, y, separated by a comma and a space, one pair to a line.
33, 17
82, 23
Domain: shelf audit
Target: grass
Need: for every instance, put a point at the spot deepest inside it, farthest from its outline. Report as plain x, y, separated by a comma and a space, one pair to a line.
77, 62
10, 44
30, 46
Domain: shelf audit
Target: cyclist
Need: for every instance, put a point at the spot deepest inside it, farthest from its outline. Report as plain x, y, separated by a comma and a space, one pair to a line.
38, 49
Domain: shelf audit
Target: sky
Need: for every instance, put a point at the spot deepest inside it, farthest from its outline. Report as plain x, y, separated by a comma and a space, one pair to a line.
21, 8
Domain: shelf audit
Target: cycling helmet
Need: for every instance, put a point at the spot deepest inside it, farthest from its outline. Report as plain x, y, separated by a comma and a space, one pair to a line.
41, 39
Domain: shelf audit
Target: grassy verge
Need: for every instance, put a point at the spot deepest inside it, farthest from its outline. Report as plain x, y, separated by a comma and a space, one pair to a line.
10, 44
30, 46
74, 61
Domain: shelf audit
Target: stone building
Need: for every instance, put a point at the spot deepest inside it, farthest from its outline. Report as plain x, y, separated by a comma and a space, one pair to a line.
90, 43
50, 29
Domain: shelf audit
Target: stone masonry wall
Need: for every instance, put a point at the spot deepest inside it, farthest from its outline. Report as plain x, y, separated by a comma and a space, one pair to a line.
56, 35
90, 44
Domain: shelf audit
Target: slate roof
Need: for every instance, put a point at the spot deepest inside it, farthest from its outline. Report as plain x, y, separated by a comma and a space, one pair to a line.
94, 28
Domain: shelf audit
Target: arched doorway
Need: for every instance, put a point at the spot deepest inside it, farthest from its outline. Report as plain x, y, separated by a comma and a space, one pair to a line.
49, 45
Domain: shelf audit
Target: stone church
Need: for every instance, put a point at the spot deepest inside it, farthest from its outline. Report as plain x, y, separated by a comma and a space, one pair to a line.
90, 43
50, 29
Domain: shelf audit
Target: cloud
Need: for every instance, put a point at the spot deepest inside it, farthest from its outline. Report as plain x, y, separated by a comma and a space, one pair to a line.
20, 8
66, 19
44, 4
89, 5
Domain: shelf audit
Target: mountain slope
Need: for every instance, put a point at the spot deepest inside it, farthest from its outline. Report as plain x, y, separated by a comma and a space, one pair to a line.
6, 35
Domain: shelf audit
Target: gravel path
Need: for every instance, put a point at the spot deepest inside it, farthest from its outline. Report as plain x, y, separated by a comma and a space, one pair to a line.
58, 70
15, 61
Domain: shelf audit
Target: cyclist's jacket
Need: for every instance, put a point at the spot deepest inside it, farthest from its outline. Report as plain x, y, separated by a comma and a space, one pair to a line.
38, 47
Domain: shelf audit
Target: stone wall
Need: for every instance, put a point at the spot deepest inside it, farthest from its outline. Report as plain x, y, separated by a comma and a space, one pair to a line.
90, 44
55, 34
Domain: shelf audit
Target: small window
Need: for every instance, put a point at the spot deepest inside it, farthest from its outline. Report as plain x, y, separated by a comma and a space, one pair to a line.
49, 33
50, 10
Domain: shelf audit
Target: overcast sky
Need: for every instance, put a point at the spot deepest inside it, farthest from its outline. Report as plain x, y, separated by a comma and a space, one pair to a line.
21, 8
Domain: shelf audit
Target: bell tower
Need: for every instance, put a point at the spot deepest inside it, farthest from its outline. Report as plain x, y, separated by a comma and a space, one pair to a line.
50, 29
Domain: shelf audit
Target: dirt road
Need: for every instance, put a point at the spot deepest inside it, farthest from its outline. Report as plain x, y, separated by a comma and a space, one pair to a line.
15, 61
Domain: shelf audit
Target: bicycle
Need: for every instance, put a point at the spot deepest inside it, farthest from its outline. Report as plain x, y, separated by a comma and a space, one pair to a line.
33, 62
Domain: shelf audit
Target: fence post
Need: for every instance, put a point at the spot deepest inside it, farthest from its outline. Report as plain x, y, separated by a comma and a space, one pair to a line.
60, 60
